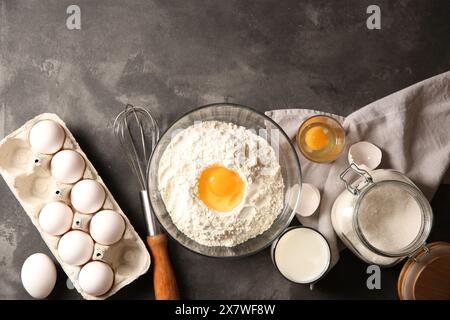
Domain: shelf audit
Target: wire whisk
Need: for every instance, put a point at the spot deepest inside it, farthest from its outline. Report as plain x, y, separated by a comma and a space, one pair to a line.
138, 133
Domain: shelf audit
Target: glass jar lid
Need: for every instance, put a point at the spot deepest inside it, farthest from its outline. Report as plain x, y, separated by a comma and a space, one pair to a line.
392, 218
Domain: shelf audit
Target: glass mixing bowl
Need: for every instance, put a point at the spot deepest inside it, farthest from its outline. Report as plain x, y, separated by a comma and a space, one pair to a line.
290, 168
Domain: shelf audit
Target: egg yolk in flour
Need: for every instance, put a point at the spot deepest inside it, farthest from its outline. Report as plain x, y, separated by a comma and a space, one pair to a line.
220, 189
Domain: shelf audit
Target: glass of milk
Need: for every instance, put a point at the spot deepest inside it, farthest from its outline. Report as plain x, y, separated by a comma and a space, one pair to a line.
301, 254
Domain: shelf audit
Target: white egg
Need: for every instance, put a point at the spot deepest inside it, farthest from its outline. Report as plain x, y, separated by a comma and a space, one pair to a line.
107, 227
96, 278
75, 247
87, 196
38, 275
67, 166
56, 218
46, 136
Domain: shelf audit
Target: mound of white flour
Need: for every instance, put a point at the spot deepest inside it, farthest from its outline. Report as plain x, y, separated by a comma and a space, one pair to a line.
236, 148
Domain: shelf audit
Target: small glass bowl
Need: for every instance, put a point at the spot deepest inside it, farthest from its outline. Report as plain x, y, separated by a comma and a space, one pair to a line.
290, 170
334, 148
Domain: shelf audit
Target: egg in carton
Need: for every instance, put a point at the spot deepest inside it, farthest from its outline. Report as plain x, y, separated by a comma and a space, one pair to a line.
69, 204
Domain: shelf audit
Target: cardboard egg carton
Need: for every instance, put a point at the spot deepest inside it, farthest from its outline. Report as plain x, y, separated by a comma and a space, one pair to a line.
28, 176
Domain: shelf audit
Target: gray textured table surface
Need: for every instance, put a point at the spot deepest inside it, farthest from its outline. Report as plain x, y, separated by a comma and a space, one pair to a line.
175, 55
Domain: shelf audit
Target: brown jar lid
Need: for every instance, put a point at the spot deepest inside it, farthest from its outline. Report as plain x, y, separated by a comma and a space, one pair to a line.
425, 276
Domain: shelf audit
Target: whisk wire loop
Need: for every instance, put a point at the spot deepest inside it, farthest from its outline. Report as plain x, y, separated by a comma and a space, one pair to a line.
133, 127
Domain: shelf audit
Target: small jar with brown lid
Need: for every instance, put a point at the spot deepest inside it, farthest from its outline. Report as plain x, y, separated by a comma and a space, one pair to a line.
426, 275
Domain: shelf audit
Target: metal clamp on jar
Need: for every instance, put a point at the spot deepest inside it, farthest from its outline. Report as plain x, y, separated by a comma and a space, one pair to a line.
382, 216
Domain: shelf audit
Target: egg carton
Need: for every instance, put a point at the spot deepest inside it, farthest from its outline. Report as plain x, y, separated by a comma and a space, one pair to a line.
27, 174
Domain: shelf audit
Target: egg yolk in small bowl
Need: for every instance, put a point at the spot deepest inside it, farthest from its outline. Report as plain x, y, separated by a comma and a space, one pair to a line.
316, 138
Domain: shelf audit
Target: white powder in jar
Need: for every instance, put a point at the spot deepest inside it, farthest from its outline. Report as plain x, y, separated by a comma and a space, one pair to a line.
210, 143
389, 217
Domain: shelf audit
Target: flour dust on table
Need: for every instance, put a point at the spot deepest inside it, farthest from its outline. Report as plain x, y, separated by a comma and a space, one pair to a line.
221, 183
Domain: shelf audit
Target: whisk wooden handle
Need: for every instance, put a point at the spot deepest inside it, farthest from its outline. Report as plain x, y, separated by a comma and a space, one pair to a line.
164, 282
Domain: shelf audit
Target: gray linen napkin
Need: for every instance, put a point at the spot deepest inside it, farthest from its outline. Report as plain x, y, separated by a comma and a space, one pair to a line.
411, 126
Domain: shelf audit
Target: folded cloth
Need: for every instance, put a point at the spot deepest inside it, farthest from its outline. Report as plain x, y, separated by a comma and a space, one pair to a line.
411, 126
